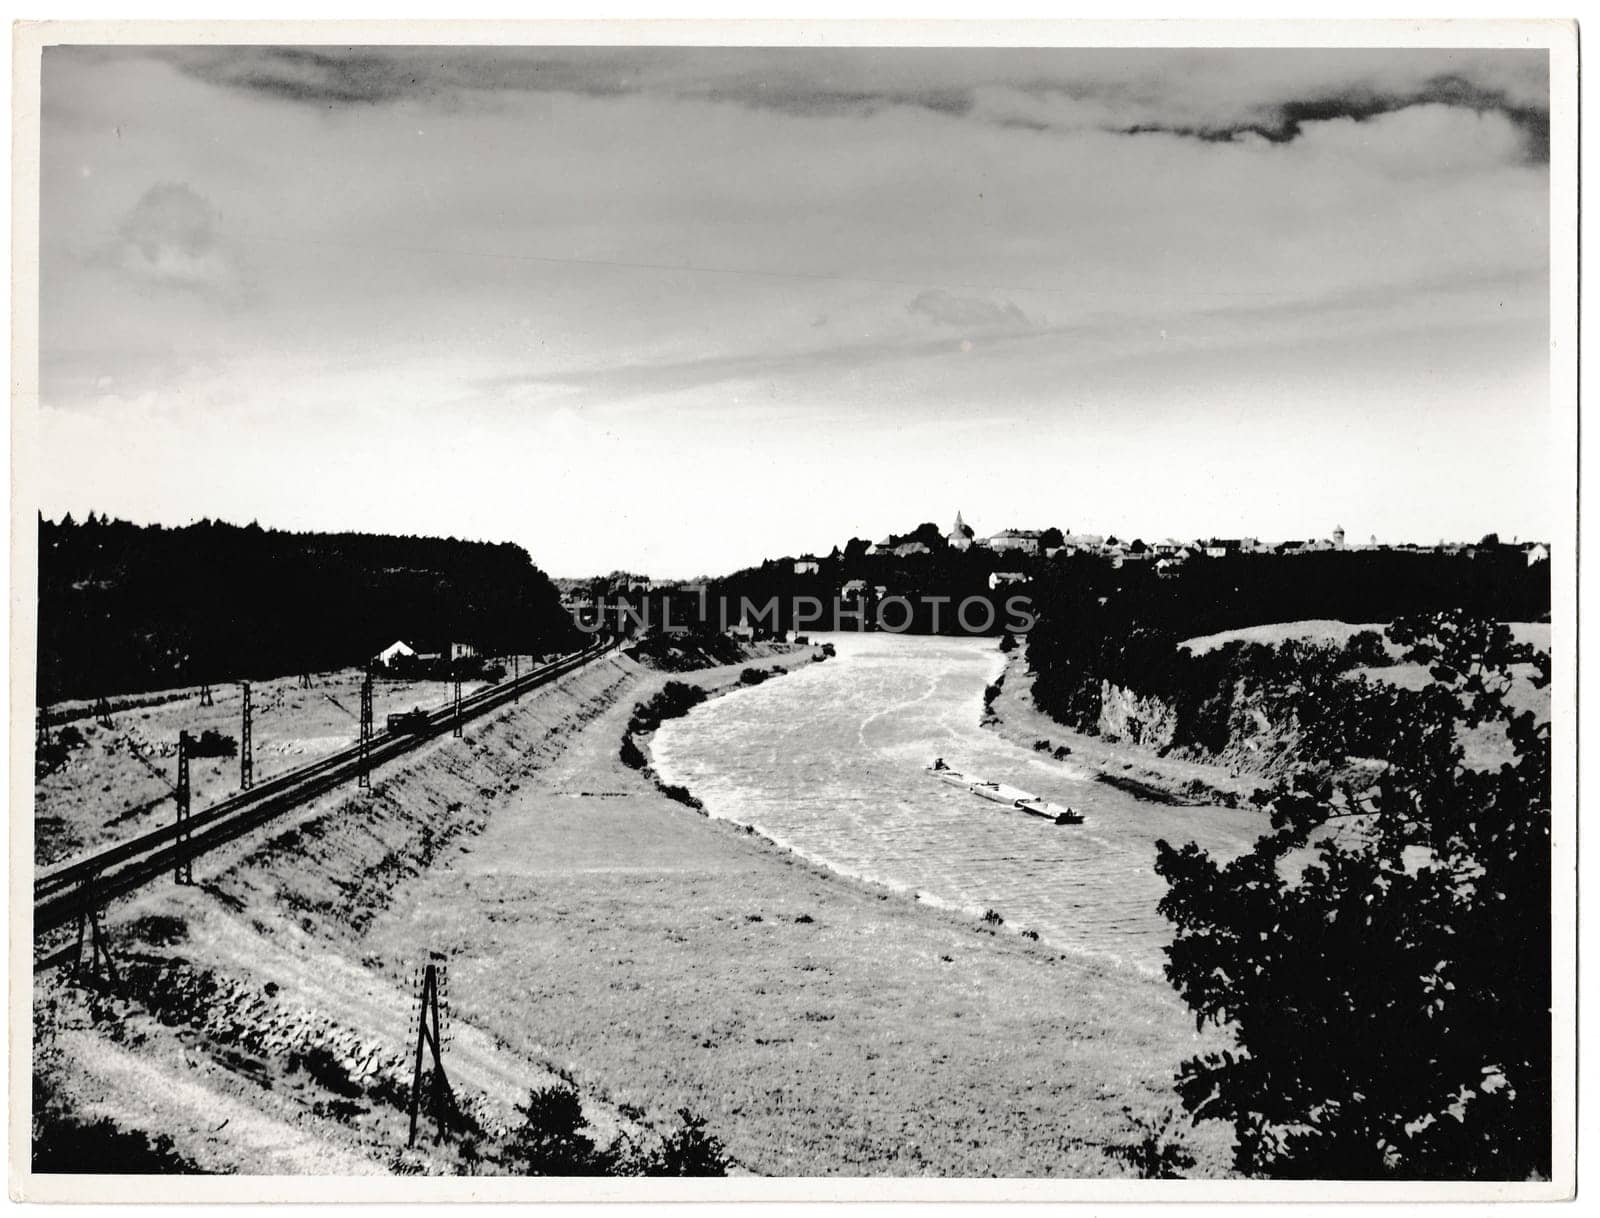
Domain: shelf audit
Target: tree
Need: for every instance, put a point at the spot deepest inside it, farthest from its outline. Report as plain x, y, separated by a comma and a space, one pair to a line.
1051, 539
1382, 957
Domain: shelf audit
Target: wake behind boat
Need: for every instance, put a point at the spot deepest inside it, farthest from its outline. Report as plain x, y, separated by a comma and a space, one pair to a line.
1000, 793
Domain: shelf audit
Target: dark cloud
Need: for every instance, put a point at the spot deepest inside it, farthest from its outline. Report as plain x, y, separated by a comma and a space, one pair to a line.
1286, 121
1215, 96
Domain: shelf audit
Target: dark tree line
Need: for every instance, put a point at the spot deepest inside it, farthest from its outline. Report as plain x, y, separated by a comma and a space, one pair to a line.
124, 607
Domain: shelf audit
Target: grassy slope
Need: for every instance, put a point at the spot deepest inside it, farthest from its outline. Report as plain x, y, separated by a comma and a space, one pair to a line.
822, 1026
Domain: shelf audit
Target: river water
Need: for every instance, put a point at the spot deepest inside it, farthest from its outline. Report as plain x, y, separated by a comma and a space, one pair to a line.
828, 761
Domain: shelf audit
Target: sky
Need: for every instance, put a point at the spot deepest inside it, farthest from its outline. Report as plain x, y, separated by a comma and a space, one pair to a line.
674, 310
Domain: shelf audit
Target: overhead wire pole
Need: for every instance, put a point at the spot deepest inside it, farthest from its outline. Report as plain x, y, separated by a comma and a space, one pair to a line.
247, 759
457, 674
183, 872
440, 1099
364, 773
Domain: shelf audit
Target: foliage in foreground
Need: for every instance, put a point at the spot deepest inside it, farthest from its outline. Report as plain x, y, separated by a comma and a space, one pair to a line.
1383, 955
555, 1139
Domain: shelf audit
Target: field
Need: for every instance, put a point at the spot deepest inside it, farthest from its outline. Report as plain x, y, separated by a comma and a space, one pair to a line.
119, 781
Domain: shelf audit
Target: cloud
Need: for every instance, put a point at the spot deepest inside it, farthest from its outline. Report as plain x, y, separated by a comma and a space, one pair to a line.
969, 312
1210, 95
170, 237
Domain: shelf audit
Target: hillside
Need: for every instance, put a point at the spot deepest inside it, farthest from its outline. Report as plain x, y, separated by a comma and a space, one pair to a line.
125, 608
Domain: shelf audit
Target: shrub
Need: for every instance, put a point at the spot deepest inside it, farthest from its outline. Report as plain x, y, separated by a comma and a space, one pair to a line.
674, 700
632, 756
1041, 746
753, 676
553, 1139
1150, 1154
689, 1151
683, 795
992, 917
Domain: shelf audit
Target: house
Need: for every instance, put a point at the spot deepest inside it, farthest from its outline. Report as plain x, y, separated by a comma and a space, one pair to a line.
744, 632
908, 548
806, 564
1538, 552
881, 547
462, 651
397, 650
1169, 568
853, 590
996, 578
1025, 540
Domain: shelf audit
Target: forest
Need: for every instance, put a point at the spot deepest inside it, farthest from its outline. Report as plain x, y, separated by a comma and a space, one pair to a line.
125, 608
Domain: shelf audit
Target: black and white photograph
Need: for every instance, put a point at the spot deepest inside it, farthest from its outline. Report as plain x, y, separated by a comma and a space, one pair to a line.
836, 612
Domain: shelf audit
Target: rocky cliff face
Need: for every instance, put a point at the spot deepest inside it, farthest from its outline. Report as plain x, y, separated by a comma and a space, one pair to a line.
1136, 718
1260, 739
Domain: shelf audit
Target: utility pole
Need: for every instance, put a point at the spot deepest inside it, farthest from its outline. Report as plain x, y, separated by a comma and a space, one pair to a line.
205, 694
89, 920
363, 772
440, 1100
183, 873
247, 758
516, 674
102, 711
457, 674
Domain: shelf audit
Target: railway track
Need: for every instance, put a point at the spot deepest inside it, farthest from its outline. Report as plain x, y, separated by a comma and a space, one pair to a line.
63, 896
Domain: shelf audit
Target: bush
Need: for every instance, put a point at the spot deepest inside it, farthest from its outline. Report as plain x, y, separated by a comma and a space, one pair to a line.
553, 1139
1151, 1155
683, 796
674, 700
689, 1151
632, 756
992, 917
753, 676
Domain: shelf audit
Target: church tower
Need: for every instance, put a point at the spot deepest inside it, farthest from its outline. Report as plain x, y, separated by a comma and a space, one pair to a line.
960, 537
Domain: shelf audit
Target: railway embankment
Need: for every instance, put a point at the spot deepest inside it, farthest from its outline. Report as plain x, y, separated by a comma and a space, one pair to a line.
251, 1027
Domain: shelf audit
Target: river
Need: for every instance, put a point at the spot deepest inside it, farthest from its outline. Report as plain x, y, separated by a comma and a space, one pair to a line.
828, 762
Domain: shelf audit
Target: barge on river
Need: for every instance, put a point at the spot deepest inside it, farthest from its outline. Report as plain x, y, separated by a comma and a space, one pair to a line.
1000, 793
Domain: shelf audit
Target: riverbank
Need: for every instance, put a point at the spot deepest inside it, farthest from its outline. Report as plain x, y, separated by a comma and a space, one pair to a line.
821, 1026
1140, 772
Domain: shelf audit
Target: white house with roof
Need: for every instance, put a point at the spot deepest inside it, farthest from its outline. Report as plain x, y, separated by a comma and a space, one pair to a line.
397, 650
1025, 540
